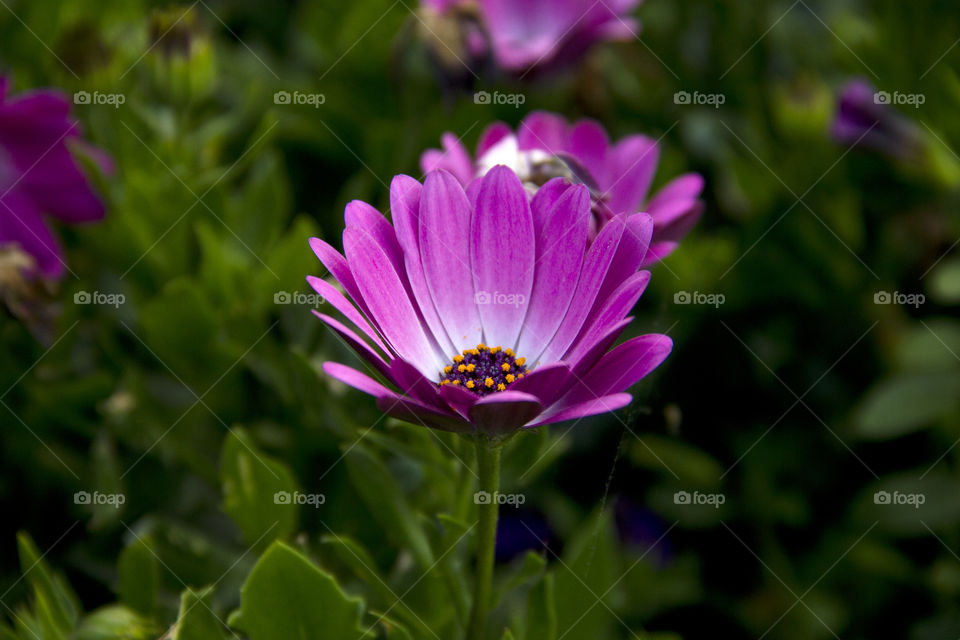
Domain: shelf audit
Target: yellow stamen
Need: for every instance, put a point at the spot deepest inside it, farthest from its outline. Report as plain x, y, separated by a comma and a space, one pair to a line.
501, 387
519, 376
488, 382
447, 369
458, 358
505, 366
521, 361
510, 377
470, 384
456, 382
482, 347
443, 382
462, 368
471, 367
508, 352
494, 349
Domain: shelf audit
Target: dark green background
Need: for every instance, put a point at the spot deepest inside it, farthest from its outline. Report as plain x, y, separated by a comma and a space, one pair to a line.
797, 399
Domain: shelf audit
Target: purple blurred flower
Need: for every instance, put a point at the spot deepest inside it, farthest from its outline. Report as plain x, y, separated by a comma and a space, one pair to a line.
865, 118
459, 268
39, 175
619, 175
543, 34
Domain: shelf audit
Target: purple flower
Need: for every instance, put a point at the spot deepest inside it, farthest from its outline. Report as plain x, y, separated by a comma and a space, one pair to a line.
619, 175
486, 311
39, 175
865, 118
543, 34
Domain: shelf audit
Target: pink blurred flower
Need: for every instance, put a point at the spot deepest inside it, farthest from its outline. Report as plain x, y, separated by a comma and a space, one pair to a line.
39, 176
619, 174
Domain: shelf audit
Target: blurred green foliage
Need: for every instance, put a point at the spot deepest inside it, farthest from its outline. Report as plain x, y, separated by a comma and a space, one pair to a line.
804, 400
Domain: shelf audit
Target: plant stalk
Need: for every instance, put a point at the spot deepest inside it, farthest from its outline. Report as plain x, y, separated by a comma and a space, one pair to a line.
488, 466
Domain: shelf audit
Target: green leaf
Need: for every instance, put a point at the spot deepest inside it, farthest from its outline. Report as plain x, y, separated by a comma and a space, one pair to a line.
389, 506
180, 330
945, 282
287, 597
355, 556
257, 491
263, 205
590, 568
396, 631
138, 581
532, 566
933, 345
196, 620
906, 403
911, 503
58, 608
115, 622
507, 635
664, 455
542, 610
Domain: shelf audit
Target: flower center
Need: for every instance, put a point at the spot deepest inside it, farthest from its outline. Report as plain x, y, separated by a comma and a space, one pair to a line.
484, 370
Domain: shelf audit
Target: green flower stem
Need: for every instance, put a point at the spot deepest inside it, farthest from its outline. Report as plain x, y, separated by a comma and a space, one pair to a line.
488, 465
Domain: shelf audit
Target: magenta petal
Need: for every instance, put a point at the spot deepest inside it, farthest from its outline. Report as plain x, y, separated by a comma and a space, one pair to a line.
454, 158
412, 383
387, 299
585, 353
502, 254
445, 252
633, 164
337, 266
505, 411
685, 187
629, 256
356, 343
415, 413
360, 215
459, 399
595, 266
491, 136
621, 368
358, 380
525, 33
542, 130
589, 144
613, 309
543, 201
330, 294
596, 406
559, 258
674, 220
405, 205
547, 383
658, 251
